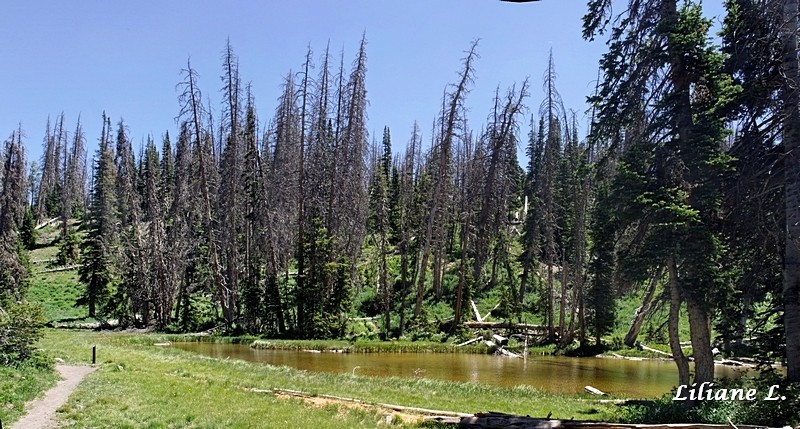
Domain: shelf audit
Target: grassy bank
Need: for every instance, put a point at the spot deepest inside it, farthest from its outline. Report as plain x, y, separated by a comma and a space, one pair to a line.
19, 385
368, 346
140, 385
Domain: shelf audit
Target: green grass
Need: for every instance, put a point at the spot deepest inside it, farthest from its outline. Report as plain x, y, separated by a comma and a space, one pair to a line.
139, 385
19, 385
57, 293
322, 345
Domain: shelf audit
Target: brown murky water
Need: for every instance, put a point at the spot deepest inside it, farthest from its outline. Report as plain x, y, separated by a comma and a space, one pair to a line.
625, 378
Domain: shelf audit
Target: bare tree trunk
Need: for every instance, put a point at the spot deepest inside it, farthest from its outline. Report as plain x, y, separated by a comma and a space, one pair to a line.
644, 309
674, 316
193, 108
437, 274
700, 333
449, 121
791, 137
461, 274
696, 298
301, 217
562, 306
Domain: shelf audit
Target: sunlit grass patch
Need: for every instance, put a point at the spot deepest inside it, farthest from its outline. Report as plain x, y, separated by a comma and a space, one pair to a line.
141, 385
19, 385
57, 293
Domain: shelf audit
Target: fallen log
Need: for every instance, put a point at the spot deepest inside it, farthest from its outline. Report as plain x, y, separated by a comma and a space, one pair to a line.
45, 223
594, 390
506, 325
474, 340
498, 420
732, 362
505, 352
650, 349
494, 348
64, 268
500, 340
393, 407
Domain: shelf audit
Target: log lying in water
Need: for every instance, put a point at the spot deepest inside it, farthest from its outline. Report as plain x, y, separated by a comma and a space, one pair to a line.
494, 348
594, 390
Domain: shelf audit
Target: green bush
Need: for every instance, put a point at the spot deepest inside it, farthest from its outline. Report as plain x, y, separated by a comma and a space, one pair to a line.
20, 327
777, 413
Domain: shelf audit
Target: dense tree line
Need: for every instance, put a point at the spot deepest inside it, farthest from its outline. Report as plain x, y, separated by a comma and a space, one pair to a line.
683, 191
678, 193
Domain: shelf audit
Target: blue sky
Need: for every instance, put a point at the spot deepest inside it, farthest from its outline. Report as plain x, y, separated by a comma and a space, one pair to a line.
89, 56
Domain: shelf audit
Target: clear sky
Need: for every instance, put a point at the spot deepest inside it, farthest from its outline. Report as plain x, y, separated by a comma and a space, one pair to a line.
124, 57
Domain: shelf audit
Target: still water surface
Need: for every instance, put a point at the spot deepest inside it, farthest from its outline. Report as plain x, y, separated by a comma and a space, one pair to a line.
625, 378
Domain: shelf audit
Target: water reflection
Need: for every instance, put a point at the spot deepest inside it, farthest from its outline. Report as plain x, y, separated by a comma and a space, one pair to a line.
626, 378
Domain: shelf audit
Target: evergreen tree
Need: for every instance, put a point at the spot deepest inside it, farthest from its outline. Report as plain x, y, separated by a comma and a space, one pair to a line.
97, 270
13, 191
380, 225
28, 232
668, 185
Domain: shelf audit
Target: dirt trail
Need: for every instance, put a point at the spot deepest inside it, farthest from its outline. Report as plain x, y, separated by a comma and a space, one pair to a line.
42, 412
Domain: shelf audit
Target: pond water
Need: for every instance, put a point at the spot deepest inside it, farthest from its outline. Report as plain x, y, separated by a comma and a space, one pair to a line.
624, 378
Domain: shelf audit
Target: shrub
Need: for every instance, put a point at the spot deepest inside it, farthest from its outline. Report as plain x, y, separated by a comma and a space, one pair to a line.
777, 413
20, 327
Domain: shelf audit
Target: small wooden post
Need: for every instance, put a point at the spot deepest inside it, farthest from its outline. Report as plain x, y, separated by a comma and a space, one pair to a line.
525, 351
94, 358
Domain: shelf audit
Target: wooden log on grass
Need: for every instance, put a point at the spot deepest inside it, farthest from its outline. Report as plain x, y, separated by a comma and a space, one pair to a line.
474, 340
500, 339
497, 421
402, 408
64, 268
650, 349
47, 222
534, 329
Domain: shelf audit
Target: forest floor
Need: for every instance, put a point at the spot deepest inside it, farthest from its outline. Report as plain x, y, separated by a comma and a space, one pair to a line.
139, 385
